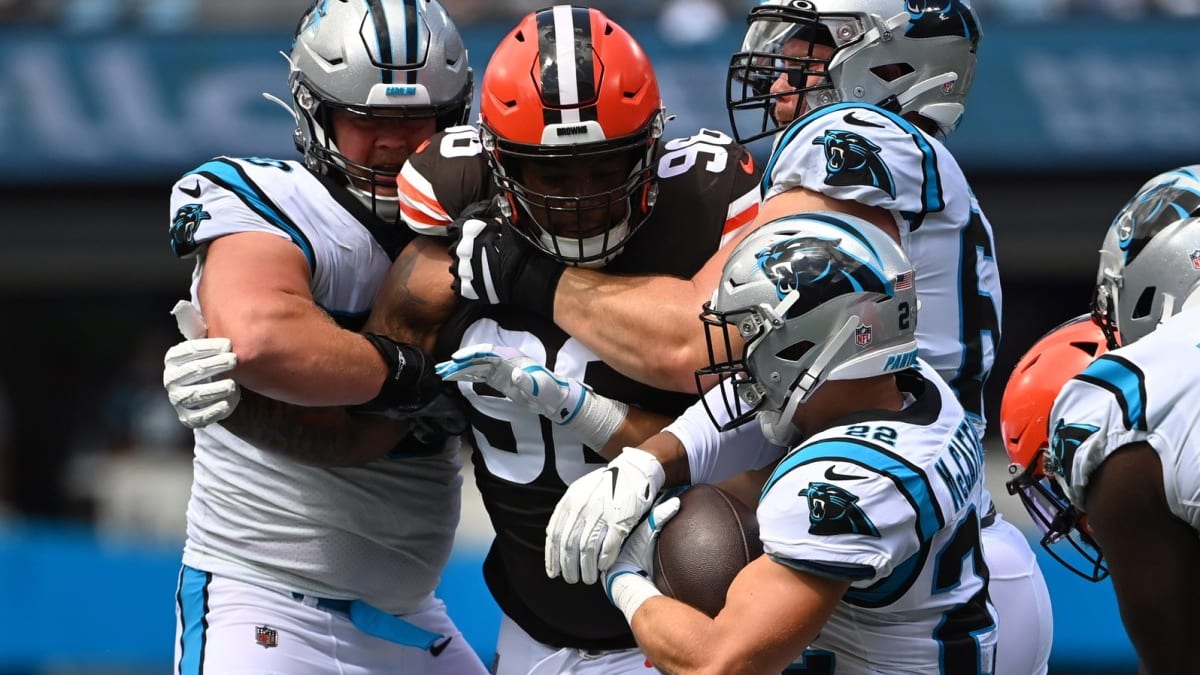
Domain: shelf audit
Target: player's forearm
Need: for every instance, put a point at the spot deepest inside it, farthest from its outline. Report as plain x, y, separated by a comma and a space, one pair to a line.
316, 436
679, 640
672, 454
638, 426
646, 327
289, 350
255, 289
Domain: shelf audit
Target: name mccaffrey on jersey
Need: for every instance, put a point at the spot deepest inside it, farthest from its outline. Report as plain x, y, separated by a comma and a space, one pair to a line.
966, 453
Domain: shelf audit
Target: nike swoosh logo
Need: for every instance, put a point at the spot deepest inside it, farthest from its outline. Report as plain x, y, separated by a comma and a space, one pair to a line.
612, 471
440, 647
747, 162
830, 474
193, 192
849, 118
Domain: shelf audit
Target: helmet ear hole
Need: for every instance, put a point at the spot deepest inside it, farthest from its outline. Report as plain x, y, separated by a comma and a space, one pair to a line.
796, 351
892, 71
1145, 302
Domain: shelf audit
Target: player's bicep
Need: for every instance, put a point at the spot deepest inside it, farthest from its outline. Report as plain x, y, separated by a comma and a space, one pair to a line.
801, 200
252, 278
1152, 555
416, 298
772, 612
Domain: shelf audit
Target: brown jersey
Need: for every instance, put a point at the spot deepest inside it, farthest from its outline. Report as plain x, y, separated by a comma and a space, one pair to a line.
708, 192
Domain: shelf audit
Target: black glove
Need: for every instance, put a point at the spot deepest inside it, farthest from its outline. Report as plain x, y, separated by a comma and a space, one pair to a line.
493, 264
439, 419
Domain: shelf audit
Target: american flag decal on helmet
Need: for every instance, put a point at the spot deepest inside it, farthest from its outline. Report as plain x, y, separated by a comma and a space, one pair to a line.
568, 65
903, 281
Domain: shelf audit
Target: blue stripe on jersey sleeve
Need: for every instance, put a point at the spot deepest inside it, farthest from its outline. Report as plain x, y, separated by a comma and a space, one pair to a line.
889, 589
1125, 382
931, 193
828, 570
230, 176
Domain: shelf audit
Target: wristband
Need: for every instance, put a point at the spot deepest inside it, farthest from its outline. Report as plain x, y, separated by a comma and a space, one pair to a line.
410, 383
628, 590
596, 420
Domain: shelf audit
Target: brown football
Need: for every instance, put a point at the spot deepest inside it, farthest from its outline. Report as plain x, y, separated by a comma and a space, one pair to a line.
701, 549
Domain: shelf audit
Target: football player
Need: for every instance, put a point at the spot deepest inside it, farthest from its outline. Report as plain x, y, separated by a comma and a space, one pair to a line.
291, 564
570, 159
870, 526
876, 85
571, 144
1123, 441
1059, 355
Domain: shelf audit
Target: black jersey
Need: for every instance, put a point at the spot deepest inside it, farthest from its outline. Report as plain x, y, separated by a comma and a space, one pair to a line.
523, 462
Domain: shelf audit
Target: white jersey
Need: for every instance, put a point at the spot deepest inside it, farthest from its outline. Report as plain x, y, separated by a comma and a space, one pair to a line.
862, 153
1147, 392
890, 502
380, 533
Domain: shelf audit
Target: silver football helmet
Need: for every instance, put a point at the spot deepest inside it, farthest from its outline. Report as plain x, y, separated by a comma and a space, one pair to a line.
1150, 259
811, 297
903, 55
392, 58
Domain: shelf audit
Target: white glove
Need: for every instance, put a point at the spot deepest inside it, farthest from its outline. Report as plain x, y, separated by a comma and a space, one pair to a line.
630, 581
597, 512
563, 400
189, 367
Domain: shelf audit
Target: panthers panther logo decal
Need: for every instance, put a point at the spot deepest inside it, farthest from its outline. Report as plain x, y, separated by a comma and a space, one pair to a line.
832, 510
935, 18
818, 269
851, 159
1153, 210
183, 228
1065, 440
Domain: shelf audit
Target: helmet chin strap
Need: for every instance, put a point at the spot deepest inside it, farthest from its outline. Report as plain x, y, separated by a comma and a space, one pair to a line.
587, 246
282, 104
387, 208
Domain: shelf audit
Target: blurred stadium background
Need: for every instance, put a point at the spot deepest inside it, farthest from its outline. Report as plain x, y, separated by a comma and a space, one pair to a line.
104, 102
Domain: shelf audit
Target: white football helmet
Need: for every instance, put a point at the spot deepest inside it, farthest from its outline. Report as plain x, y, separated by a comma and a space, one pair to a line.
903, 55
1150, 259
392, 58
811, 297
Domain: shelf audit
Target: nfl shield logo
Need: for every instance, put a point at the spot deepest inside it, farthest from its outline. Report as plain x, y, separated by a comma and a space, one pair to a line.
862, 335
266, 637
1196, 258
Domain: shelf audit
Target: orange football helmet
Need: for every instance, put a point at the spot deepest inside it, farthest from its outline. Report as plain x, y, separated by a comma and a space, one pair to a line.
1029, 395
570, 117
